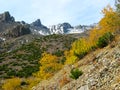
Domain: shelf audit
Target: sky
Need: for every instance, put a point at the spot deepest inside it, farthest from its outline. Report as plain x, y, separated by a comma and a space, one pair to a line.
76, 12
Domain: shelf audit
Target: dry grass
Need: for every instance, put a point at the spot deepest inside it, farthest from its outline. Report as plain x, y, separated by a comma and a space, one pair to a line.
63, 81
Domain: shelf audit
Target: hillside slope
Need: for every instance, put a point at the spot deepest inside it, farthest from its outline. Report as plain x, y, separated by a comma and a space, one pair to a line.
19, 56
101, 71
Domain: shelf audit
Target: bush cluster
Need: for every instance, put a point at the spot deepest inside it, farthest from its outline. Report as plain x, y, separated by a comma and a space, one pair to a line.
75, 73
105, 39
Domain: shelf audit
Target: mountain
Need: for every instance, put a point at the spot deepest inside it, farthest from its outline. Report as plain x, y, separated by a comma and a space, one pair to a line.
16, 33
6, 21
37, 28
66, 28
60, 28
8, 27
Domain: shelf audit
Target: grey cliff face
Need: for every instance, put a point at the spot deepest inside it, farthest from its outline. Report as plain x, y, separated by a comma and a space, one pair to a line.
37, 23
17, 31
6, 17
38, 28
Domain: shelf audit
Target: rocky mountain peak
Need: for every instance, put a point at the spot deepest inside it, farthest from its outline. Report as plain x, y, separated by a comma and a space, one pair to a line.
60, 28
66, 25
37, 23
6, 17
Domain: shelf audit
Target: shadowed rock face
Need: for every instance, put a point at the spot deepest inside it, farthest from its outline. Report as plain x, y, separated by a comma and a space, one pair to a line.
6, 22
11, 29
6, 17
37, 23
17, 31
38, 28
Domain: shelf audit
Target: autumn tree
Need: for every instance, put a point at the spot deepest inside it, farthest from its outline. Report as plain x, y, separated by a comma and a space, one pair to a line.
111, 20
49, 65
12, 84
79, 49
70, 57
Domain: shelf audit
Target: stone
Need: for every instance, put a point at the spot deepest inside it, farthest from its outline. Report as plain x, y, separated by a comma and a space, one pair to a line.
85, 87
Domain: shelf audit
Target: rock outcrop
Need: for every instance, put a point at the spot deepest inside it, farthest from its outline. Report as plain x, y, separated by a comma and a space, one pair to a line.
37, 28
17, 31
60, 28
6, 17
37, 23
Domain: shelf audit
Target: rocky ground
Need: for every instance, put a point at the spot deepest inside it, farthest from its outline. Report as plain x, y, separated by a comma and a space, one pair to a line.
101, 71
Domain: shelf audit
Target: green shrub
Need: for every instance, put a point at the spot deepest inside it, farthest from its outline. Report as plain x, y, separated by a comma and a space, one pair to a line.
24, 83
59, 53
11, 73
63, 60
80, 55
75, 73
105, 39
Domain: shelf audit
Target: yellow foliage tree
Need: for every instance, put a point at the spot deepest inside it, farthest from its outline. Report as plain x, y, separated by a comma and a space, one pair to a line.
81, 46
49, 65
93, 36
109, 23
70, 57
111, 20
12, 84
31, 82
78, 50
